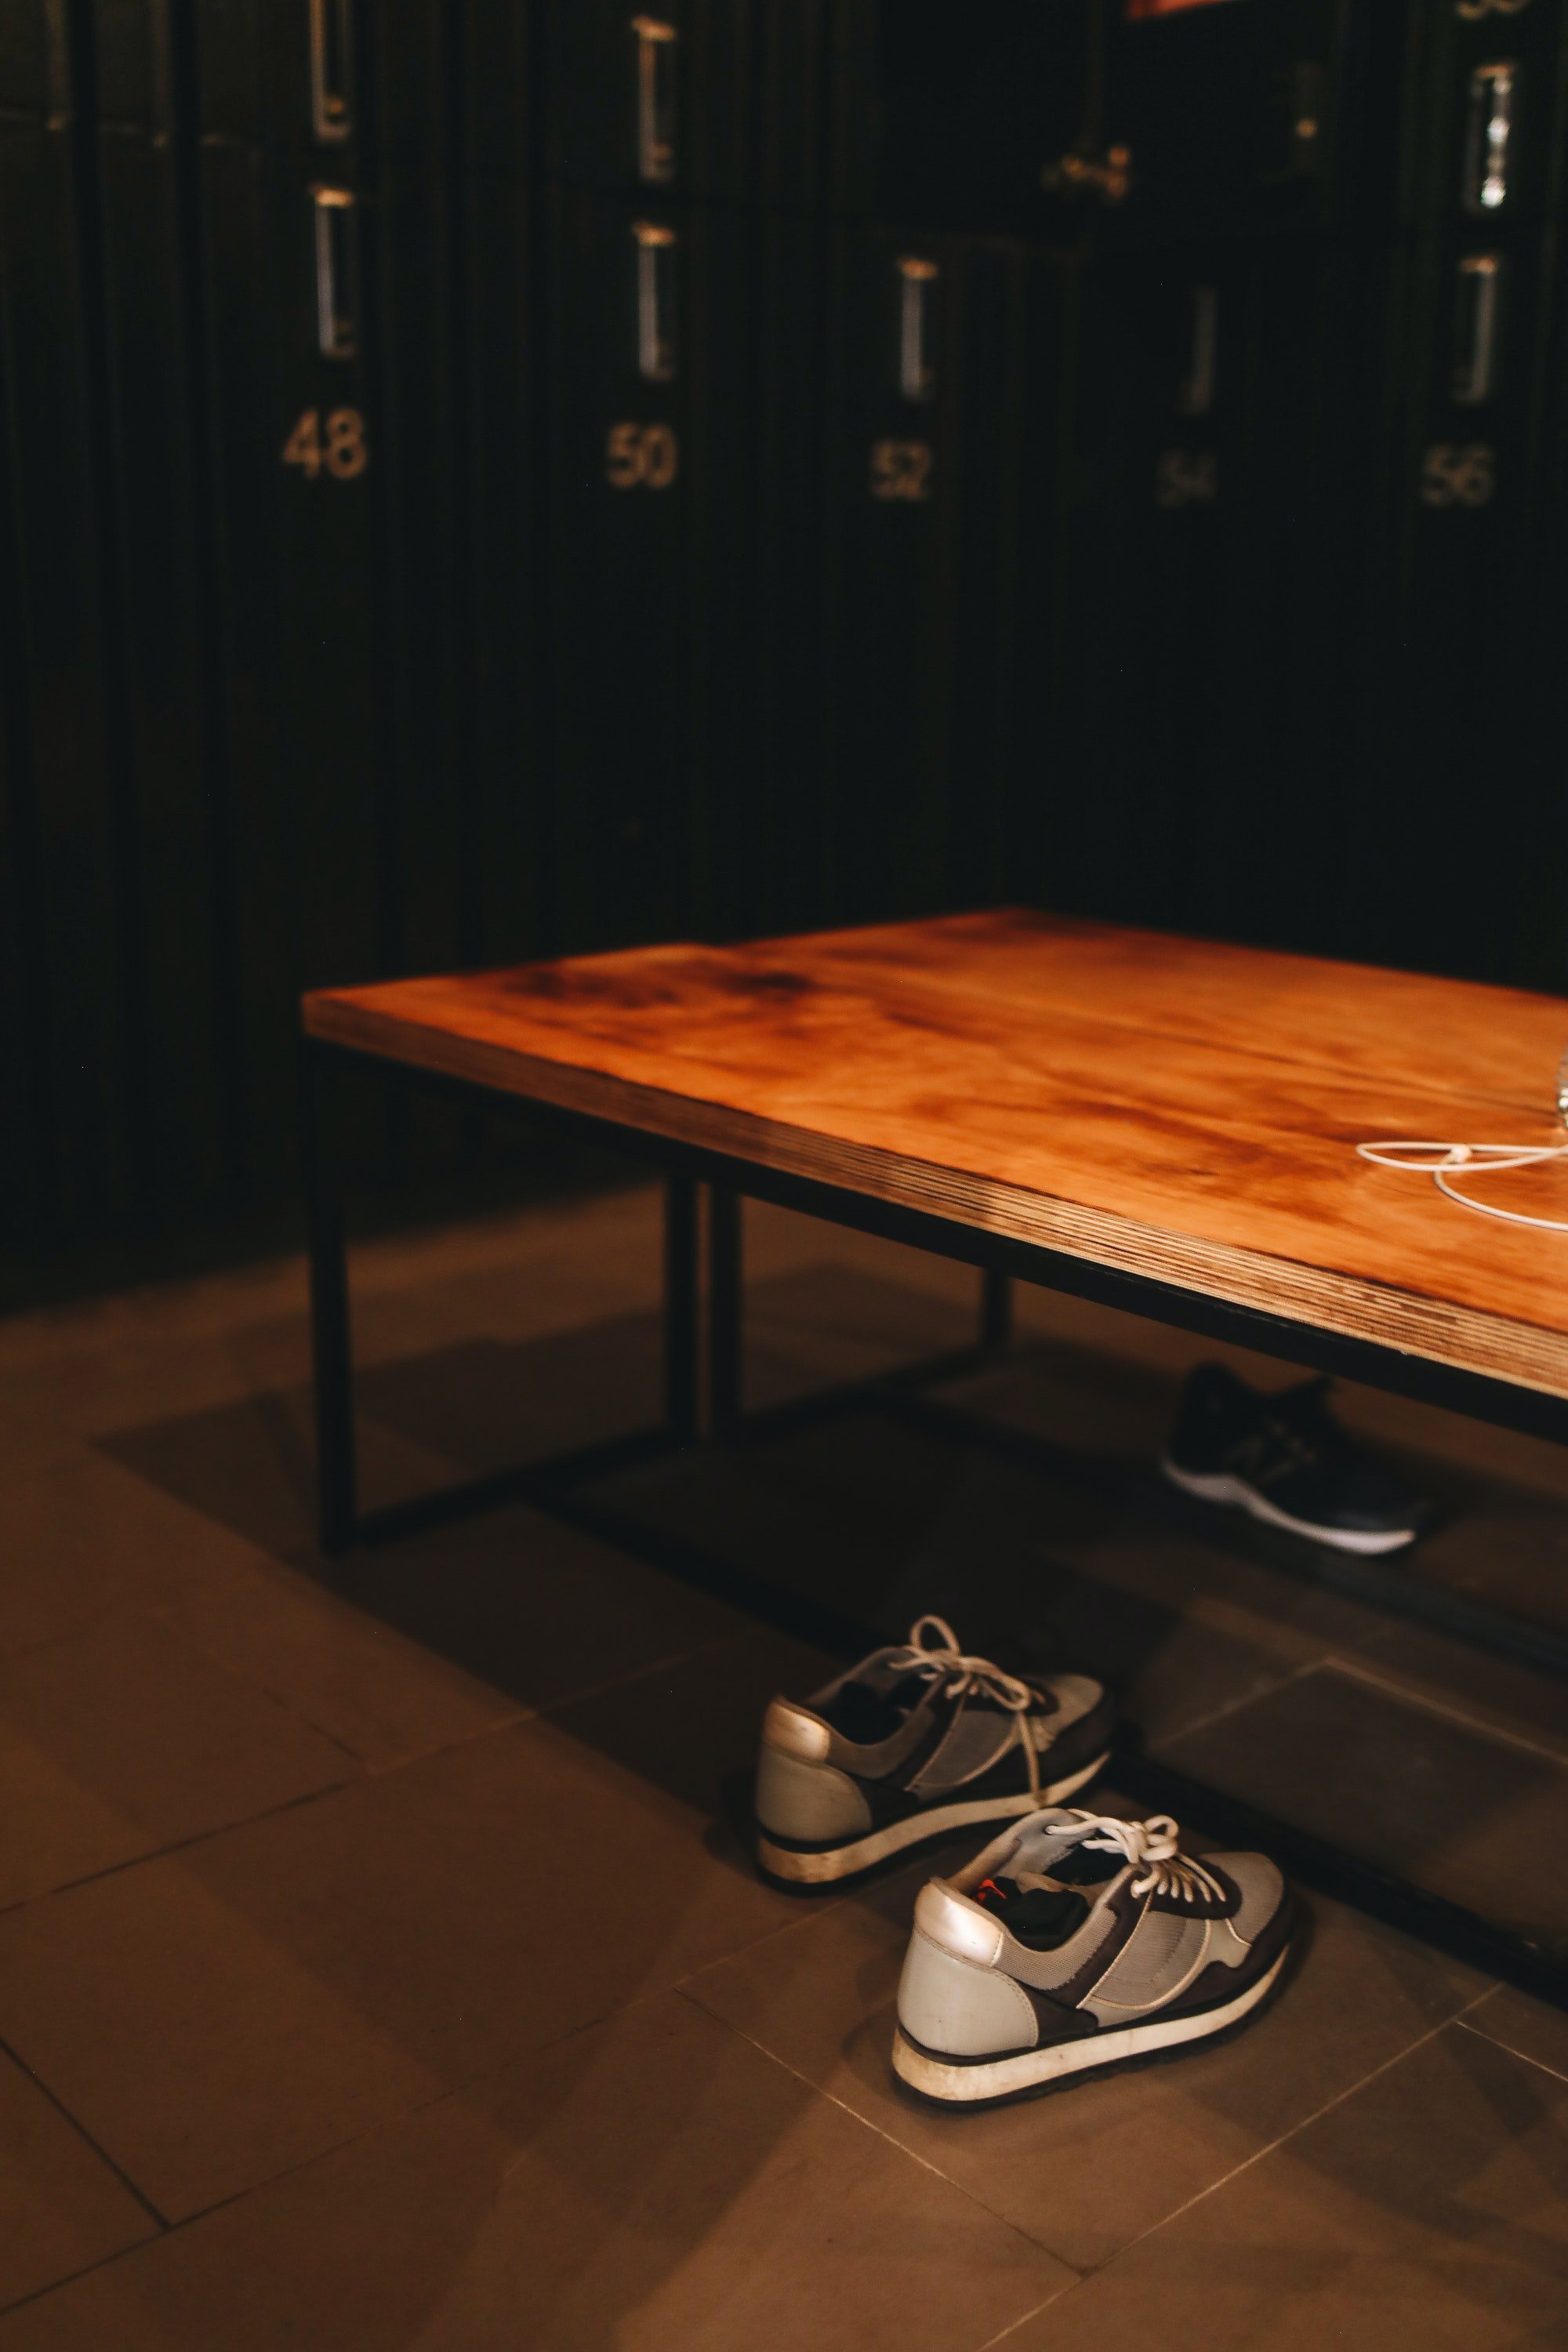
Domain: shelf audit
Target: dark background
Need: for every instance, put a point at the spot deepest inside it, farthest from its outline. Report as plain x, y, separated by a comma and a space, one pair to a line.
1061, 455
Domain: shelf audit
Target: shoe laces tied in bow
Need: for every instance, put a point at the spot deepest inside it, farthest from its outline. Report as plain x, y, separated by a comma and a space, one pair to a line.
1151, 1845
964, 1674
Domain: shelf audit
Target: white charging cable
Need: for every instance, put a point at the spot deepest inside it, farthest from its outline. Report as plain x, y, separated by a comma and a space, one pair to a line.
1442, 1160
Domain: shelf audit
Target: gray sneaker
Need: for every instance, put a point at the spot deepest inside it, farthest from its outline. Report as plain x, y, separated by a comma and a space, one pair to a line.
918, 1741
1077, 1941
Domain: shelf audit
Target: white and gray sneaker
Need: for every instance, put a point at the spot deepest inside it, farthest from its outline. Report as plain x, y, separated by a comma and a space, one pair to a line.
1077, 1941
918, 1741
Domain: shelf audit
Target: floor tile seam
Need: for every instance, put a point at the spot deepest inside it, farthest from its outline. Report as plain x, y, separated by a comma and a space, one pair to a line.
184, 1845
1257, 1696
1283, 2139
172, 2228
901, 2148
128, 1611
126, 2179
811, 1916
161, 1615
1068, 2286
1412, 1692
634, 1675
454, 2090
1497, 2042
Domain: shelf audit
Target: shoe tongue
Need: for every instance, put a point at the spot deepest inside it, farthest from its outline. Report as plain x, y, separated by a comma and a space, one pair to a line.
1035, 1910
1066, 1861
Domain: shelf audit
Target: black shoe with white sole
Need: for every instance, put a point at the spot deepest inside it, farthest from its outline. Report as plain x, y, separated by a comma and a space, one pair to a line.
1284, 1458
918, 1741
1078, 1942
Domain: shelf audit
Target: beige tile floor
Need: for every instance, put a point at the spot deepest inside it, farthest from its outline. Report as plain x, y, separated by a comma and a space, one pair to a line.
379, 1969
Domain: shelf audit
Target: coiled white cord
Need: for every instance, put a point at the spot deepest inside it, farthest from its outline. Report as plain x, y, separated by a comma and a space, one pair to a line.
1480, 1160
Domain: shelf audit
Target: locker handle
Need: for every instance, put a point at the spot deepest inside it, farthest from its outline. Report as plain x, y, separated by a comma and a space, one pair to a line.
916, 326
655, 247
1478, 309
1195, 397
1488, 136
331, 104
657, 64
337, 332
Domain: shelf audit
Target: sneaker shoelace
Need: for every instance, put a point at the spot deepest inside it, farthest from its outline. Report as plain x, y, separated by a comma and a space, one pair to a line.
1151, 1845
962, 1675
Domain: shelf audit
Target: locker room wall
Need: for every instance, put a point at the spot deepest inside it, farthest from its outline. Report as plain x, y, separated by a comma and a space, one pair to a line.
495, 478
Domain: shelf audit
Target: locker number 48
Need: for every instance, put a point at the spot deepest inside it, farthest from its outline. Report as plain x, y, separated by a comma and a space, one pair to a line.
332, 444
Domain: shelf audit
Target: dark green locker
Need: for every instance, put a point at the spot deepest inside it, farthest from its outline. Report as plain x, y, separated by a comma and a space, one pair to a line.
649, 103
973, 109
163, 709
1006, 688
327, 188
1159, 402
894, 345
500, 464
1460, 587
66, 817
645, 353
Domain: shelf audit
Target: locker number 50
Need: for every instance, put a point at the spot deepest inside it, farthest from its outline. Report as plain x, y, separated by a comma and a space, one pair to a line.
333, 445
641, 457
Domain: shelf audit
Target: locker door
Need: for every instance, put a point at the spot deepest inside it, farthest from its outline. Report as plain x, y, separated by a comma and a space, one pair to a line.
647, 102
327, 187
66, 817
1470, 352
1001, 527
158, 556
1159, 399
894, 347
500, 460
644, 341
771, 837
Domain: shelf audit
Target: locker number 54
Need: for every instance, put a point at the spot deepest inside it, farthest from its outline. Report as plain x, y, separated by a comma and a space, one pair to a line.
333, 445
1458, 474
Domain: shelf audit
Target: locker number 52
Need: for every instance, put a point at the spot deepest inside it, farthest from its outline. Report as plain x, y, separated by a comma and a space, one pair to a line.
640, 456
333, 445
901, 470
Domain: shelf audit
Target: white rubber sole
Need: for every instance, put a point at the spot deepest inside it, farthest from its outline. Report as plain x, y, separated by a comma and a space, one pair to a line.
1005, 2077
847, 1861
1215, 1488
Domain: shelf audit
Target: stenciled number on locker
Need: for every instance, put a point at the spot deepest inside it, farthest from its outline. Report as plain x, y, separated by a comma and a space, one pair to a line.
340, 450
641, 456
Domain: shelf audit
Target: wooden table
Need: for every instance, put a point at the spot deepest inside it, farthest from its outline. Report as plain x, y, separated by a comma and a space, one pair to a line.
1164, 1125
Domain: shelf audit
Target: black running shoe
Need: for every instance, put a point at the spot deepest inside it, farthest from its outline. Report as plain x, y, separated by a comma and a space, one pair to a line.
1284, 1458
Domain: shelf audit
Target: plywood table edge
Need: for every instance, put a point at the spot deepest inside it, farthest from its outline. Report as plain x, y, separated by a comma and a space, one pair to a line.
1348, 1306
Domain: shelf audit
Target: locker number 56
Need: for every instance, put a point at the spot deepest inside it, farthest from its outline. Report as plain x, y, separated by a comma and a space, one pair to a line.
332, 444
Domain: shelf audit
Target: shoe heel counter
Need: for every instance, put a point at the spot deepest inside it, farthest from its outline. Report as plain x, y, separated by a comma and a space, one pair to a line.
799, 1794
965, 2007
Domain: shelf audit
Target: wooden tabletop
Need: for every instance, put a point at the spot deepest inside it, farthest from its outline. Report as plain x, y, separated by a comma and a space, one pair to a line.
1167, 1107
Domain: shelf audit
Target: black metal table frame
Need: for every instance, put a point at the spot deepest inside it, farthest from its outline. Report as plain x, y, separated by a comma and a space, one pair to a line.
703, 1402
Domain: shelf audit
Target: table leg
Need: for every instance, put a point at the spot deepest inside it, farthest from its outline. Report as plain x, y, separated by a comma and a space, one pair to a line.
680, 1310
338, 1516
995, 1312
725, 1339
